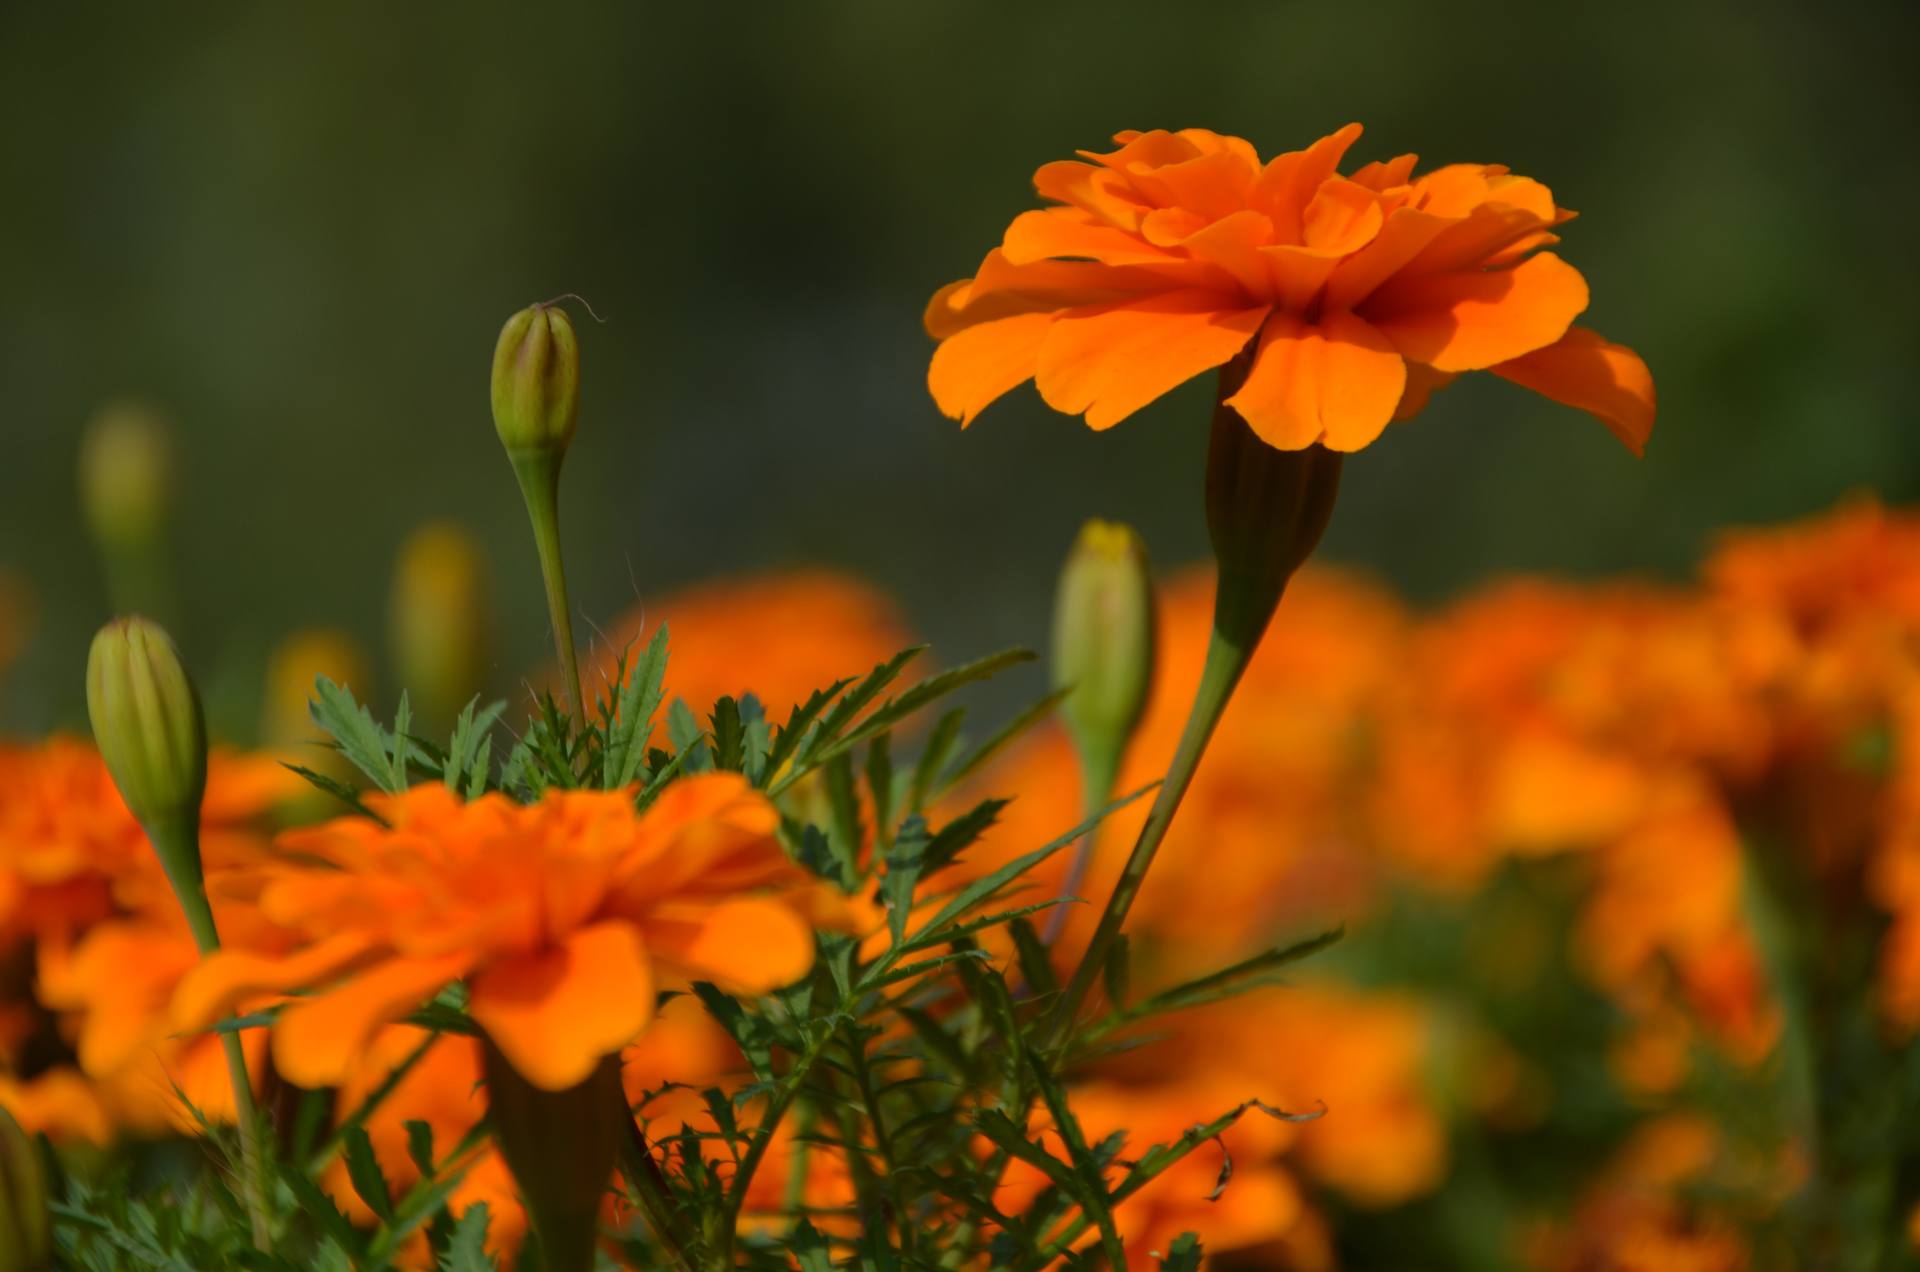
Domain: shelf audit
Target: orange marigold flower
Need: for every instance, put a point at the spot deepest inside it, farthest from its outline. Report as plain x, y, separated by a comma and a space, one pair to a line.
1358, 294
70, 852
830, 626
564, 918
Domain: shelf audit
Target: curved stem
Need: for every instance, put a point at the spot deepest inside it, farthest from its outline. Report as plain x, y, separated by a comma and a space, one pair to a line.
539, 474
1227, 658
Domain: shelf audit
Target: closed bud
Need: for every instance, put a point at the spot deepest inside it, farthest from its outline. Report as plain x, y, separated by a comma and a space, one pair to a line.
438, 619
26, 1241
147, 722
126, 475
536, 382
1103, 640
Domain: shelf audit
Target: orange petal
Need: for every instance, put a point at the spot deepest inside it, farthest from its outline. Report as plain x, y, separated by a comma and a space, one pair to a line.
1110, 362
1607, 381
1336, 383
753, 943
317, 1040
1290, 181
1422, 383
213, 988
1469, 321
556, 1013
1343, 217
972, 369
1068, 232
1405, 234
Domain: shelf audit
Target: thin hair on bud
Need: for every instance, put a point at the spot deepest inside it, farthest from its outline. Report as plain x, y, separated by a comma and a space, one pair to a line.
584, 304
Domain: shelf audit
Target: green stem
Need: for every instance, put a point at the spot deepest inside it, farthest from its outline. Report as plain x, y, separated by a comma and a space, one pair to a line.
177, 844
1227, 658
1099, 773
539, 474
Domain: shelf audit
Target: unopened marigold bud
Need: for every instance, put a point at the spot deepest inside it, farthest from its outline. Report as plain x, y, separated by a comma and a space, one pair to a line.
286, 720
536, 381
26, 1240
147, 722
438, 619
1103, 636
126, 471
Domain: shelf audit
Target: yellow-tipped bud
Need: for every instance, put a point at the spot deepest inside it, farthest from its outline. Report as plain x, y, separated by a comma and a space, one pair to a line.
438, 619
536, 382
1103, 640
126, 475
147, 722
26, 1237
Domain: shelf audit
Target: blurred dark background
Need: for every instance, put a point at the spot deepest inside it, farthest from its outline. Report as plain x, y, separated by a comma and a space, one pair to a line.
297, 229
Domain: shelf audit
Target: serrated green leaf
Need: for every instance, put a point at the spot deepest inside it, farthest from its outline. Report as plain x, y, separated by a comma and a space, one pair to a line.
467, 1249
363, 1170
639, 693
365, 744
420, 1145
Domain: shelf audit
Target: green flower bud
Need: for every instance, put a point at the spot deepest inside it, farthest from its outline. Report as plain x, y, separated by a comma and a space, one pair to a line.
26, 1239
126, 469
536, 382
1103, 641
147, 722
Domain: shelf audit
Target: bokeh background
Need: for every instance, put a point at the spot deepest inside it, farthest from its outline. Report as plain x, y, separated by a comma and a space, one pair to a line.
296, 229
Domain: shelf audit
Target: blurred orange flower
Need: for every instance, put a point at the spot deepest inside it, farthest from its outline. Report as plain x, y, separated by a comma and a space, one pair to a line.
1358, 295
564, 918
780, 634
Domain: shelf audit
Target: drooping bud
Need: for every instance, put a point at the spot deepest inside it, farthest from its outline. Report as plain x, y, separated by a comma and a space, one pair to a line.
1103, 643
536, 381
1266, 511
126, 475
561, 1147
437, 618
147, 722
26, 1239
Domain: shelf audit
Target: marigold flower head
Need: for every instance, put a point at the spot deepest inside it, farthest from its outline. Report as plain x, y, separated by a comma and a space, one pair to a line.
564, 918
830, 626
1356, 295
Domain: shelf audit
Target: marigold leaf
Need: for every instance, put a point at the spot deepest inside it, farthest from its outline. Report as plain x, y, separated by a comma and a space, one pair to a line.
467, 1250
640, 691
363, 1170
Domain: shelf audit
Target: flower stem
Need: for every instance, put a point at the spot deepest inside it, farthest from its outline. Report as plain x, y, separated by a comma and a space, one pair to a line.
539, 474
1227, 659
177, 844
1099, 771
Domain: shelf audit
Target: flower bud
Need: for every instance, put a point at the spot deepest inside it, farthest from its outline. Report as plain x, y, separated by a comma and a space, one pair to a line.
147, 722
26, 1240
1103, 641
438, 620
536, 382
286, 722
126, 465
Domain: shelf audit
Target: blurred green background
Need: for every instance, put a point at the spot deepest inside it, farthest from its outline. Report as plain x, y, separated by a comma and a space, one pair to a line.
297, 228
